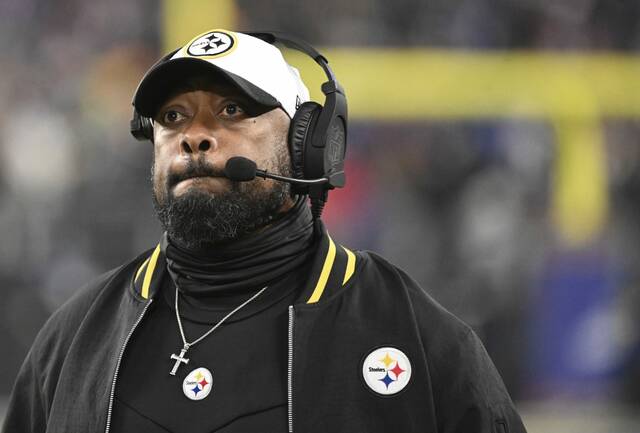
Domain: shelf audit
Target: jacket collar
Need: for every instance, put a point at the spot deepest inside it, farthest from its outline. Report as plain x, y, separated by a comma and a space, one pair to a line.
333, 267
149, 275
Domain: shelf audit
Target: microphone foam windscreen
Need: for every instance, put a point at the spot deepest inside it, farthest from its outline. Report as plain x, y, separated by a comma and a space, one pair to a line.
240, 169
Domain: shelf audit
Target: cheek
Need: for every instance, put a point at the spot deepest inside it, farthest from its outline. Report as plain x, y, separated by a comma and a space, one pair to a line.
266, 148
159, 171
157, 182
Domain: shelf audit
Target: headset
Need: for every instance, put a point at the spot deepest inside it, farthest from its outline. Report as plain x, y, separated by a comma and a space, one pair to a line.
317, 135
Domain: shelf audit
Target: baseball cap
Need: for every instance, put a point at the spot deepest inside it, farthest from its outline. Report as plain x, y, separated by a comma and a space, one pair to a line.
255, 67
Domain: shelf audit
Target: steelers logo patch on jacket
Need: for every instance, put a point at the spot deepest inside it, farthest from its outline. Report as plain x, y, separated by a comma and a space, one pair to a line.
386, 370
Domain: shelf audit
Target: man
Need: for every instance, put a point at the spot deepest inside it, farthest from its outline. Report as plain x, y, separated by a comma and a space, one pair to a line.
248, 317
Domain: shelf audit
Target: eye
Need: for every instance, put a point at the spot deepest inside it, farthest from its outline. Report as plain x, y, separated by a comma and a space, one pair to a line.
232, 109
172, 116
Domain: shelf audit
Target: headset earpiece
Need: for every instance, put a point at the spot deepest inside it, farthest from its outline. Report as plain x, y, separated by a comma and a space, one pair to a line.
141, 127
300, 130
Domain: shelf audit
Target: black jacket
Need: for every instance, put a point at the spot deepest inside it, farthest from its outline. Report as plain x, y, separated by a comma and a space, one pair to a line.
353, 304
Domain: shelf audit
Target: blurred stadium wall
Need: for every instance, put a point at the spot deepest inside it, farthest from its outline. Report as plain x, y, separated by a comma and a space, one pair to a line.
493, 154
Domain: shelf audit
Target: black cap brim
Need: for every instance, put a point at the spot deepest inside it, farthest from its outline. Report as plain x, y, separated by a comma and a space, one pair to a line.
162, 81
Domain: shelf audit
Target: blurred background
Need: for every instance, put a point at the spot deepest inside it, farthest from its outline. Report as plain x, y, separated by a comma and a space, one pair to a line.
493, 154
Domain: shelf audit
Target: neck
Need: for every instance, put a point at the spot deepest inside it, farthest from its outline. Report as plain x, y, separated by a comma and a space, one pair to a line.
246, 263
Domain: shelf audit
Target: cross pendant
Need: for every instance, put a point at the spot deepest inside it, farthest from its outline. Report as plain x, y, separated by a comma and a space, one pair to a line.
179, 359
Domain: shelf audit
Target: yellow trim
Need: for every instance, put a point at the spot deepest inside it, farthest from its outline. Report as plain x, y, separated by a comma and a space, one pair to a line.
147, 276
351, 265
324, 275
140, 269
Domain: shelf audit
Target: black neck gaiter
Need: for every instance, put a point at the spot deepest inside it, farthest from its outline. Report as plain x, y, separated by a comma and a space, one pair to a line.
247, 264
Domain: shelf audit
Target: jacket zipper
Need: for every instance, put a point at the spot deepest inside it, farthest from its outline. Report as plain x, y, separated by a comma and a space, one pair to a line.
115, 375
290, 371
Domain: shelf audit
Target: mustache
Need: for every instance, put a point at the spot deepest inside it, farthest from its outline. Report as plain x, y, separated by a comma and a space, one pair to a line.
194, 169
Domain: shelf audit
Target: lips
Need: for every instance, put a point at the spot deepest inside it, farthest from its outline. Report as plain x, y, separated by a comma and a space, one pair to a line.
194, 172
196, 178
176, 178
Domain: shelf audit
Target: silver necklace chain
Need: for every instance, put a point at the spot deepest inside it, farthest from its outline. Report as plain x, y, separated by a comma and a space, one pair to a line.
187, 345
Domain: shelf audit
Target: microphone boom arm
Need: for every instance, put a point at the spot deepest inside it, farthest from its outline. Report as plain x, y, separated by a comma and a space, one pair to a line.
265, 174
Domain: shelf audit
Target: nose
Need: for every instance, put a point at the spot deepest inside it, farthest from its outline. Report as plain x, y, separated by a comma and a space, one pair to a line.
198, 138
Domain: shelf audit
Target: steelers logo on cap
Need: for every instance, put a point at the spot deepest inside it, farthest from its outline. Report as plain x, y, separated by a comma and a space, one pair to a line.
386, 370
197, 385
211, 44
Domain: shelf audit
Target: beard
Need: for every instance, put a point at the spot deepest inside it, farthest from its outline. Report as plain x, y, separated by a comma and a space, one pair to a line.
198, 219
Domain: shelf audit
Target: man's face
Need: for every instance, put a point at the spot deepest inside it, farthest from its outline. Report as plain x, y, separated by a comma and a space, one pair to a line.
195, 133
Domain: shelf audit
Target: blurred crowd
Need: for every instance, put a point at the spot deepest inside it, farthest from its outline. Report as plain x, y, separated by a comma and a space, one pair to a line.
464, 207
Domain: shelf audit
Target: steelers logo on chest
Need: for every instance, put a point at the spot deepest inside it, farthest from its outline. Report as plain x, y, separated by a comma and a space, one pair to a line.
211, 44
198, 384
386, 370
